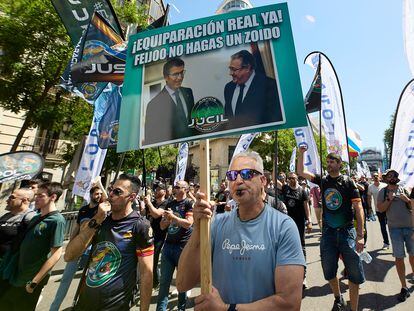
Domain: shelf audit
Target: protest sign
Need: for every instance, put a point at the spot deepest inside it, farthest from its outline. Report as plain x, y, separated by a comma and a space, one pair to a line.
20, 165
225, 74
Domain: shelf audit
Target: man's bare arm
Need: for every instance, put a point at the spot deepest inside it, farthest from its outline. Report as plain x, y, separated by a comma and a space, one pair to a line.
55, 252
145, 270
301, 167
79, 243
359, 214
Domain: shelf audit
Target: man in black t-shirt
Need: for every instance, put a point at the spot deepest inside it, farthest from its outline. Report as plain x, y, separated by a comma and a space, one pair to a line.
155, 211
340, 198
17, 218
178, 218
123, 239
221, 198
296, 201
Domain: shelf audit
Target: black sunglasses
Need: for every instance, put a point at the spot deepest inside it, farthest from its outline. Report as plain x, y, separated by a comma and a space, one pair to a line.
115, 191
245, 174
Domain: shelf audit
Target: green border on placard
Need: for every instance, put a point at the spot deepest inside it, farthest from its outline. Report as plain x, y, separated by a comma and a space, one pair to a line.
284, 61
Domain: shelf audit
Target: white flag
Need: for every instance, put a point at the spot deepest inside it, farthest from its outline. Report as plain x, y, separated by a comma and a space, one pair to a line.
402, 156
333, 119
408, 30
304, 136
292, 164
244, 142
181, 162
360, 170
366, 170
90, 165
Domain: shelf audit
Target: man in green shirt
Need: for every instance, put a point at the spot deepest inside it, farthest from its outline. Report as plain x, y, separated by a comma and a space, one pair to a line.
39, 251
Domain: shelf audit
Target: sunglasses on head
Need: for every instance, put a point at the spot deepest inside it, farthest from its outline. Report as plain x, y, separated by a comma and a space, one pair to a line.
245, 174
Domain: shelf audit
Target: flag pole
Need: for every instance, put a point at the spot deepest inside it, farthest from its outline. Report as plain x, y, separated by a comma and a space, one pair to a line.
205, 244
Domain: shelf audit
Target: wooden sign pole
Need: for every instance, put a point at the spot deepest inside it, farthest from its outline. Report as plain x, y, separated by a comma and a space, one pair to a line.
205, 243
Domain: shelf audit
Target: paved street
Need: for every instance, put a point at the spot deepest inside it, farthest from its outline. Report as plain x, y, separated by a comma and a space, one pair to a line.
377, 293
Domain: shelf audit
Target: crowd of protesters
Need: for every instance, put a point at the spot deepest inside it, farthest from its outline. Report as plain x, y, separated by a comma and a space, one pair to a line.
130, 242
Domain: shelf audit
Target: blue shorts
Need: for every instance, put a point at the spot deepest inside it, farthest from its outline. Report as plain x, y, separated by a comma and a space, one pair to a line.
340, 241
399, 237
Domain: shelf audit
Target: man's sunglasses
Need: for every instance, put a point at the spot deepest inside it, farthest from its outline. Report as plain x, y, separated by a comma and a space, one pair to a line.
116, 191
245, 174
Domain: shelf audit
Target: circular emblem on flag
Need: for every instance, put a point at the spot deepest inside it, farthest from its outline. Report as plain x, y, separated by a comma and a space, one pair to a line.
207, 115
104, 264
333, 199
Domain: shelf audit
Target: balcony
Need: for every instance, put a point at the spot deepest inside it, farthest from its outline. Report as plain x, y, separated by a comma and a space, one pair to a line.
51, 149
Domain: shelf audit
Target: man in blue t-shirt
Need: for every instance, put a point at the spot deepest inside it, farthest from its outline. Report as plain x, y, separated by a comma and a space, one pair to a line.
340, 198
257, 259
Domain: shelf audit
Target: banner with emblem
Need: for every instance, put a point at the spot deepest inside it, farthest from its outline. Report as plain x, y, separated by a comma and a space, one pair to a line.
20, 165
90, 165
402, 154
202, 79
332, 110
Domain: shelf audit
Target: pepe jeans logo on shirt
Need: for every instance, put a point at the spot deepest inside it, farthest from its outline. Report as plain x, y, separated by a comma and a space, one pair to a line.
241, 247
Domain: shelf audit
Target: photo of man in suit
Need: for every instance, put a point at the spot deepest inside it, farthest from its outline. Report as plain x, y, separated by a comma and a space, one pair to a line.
169, 112
251, 98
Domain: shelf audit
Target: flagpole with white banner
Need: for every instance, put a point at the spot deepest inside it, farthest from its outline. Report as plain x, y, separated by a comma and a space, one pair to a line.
292, 163
402, 153
244, 143
408, 30
181, 162
332, 110
90, 165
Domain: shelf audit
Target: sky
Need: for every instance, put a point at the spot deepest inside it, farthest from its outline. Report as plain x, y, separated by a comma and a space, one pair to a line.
364, 41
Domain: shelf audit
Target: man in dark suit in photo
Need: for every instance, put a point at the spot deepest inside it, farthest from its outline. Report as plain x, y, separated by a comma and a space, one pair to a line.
169, 112
251, 98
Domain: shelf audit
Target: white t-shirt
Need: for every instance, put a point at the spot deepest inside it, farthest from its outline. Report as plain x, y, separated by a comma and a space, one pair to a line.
373, 190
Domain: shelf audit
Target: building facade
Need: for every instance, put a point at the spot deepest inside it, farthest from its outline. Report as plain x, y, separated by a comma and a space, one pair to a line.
373, 157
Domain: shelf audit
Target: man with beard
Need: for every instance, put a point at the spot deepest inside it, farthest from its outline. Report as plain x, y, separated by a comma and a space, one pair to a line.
257, 261
155, 211
123, 238
16, 219
296, 201
178, 220
395, 201
85, 213
340, 198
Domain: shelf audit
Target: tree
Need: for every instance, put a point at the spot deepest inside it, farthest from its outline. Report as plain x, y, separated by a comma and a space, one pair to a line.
36, 50
388, 137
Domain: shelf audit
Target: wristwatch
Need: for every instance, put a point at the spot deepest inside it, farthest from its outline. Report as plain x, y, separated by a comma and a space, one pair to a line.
32, 284
93, 224
307, 222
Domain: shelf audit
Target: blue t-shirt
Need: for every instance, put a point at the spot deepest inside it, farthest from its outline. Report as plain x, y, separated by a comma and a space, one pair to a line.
246, 253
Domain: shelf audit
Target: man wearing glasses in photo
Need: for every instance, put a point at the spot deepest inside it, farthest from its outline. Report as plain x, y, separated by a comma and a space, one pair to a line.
257, 259
178, 221
169, 112
251, 98
123, 239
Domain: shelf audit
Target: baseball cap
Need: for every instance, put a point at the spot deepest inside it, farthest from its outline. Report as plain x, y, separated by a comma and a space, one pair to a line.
391, 171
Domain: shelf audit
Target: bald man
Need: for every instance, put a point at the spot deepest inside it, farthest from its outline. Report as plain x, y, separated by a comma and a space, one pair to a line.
16, 219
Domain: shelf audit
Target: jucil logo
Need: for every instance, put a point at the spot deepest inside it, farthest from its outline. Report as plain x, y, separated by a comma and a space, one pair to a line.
207, 115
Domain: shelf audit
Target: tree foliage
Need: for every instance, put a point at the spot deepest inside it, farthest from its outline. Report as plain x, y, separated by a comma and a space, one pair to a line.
388, 136
36, 50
